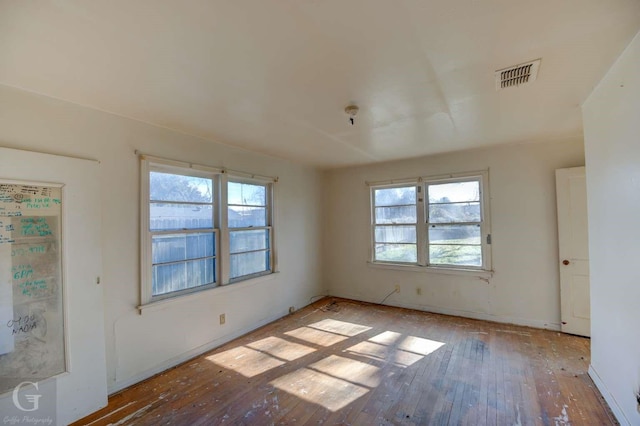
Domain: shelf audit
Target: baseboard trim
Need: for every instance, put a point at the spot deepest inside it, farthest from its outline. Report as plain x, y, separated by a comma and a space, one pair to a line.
604, 391
548, 325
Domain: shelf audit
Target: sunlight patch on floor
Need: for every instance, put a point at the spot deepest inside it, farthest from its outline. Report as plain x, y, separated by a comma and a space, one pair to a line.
392, 347
281, 348
349, 369
384, 353
386, 338
318, 388
317, 337
348, 329
245, 361
419, 345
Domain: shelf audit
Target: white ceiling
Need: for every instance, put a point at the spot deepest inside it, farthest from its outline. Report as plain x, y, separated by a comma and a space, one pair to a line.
274, 76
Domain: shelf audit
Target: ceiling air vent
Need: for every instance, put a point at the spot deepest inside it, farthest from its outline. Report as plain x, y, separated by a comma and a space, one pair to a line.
518, 75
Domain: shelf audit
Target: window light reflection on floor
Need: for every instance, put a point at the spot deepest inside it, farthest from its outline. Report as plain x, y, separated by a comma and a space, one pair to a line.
419, 345
336, 380
245, 361
327, 332
353, 371
340, 327
260, 356
319, 388
317, 337
386, 338
281, 348
393, 347
383, 353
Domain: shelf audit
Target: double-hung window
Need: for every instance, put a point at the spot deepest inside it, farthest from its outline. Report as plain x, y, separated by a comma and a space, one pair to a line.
250, 229
433, 222
201, 227
454, 221
182, 237
395, 223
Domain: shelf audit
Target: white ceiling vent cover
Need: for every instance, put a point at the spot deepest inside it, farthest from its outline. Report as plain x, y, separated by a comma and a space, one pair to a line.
518, 75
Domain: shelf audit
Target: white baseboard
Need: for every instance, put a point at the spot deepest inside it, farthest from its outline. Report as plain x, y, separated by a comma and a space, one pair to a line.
613, 404
548, 325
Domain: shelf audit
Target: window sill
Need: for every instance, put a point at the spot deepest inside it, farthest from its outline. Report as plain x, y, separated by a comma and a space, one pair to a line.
480, 273
219, 290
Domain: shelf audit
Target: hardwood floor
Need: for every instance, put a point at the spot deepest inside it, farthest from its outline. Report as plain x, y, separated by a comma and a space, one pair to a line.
344, 362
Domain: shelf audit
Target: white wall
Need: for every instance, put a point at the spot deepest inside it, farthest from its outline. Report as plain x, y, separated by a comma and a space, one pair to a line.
525, 286
139, 345
612, 149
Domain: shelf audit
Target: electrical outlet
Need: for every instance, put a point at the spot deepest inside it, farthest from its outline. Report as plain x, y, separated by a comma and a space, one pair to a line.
418, 291
397, 288
223, 319
292, 309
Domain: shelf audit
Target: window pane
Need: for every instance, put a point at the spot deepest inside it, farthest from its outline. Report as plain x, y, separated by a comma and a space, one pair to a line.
455, 255
404, 214
395, 234
175, 247
454, 192
166, 216
249, 263
454, 234
397, 253
181, 276
456, 212
247, 194
395, 196
241, 241
244, 217
171, 187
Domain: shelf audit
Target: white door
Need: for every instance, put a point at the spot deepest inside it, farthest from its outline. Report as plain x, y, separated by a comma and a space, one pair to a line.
571, 192
82, 389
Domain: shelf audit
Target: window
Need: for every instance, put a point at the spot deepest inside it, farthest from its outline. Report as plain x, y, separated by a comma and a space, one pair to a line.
187, 243
454, 220
181, 232
395, 224
249, 230
447, 228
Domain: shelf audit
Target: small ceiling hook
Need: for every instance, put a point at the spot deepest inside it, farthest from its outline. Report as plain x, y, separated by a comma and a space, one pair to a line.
352, 111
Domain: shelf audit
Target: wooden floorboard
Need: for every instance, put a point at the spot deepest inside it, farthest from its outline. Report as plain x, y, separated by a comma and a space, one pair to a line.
351, 363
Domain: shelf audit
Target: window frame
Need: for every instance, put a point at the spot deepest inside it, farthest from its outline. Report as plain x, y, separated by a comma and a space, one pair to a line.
220, 178
229, 178
422, 206
374, 224
146, 269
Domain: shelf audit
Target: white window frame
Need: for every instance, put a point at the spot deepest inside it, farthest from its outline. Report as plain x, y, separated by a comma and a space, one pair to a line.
374, 224
226, 231
220, 178
422, 206
148, 166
